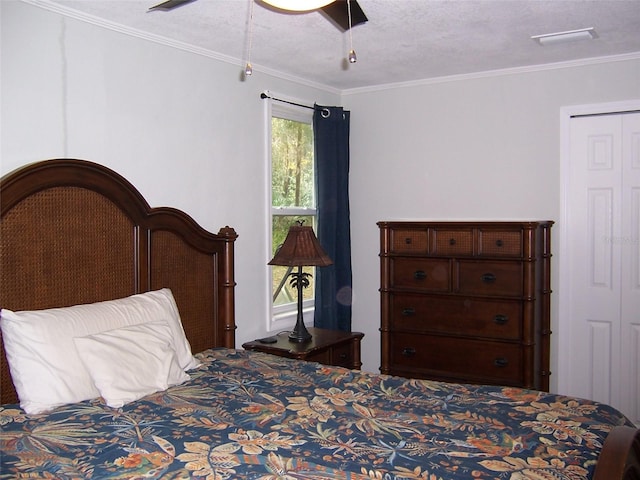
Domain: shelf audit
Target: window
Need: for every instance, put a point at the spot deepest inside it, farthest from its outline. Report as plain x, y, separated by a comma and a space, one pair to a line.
292, 200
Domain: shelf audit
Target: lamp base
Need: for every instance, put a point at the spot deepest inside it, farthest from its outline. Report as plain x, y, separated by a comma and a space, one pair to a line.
300, 333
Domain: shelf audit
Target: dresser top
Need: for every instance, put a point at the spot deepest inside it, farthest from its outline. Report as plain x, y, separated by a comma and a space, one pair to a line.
466, 223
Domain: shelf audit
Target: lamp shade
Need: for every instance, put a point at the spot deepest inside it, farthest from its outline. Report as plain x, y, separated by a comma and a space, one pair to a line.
301, 247
298, 5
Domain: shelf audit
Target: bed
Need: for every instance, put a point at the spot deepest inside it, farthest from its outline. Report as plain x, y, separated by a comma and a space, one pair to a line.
75, 236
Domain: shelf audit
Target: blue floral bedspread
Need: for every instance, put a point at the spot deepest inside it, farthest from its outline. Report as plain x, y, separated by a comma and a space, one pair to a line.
255, 416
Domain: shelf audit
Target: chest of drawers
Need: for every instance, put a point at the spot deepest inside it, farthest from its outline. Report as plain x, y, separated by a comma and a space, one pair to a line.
467, 302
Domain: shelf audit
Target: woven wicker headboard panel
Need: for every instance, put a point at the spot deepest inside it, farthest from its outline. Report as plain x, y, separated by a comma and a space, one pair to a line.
46, 232
75, 232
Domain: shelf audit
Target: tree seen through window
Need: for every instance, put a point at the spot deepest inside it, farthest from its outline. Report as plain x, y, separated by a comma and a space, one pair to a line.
292, 193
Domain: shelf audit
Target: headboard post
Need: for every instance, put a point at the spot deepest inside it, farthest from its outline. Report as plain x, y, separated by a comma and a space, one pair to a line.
227, 286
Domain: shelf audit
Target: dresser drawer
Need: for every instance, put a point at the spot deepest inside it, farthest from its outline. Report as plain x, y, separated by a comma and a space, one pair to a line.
456, 358
452, 241
457, 316
426, 274
490, 278
500, 243
409, 240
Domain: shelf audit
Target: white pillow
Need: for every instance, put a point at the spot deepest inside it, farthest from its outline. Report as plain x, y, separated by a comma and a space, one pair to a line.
44, 363
130, 362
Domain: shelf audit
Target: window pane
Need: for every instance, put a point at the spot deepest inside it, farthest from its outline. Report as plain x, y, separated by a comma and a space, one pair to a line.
292, 178
283, 293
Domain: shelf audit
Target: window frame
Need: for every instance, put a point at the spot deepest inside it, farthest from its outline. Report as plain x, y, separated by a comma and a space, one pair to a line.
283, 317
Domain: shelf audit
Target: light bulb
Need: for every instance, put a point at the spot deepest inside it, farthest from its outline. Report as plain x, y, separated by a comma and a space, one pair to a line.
298, 5
352, 56
248, 70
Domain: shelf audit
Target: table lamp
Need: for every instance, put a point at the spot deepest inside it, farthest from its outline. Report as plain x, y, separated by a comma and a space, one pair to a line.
300, 248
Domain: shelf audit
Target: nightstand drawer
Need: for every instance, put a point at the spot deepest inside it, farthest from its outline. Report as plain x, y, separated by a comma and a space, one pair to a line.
321, 356
342, 355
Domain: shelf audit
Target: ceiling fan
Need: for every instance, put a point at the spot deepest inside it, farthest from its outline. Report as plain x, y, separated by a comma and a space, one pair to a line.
337, 11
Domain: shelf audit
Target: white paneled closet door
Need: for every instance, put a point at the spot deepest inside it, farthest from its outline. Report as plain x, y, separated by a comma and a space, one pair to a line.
603, 216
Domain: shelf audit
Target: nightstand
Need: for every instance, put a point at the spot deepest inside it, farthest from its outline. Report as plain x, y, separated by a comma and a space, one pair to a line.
330, 347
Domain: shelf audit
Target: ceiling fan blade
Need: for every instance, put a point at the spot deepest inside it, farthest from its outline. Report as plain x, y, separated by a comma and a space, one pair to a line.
170, 5
338, 13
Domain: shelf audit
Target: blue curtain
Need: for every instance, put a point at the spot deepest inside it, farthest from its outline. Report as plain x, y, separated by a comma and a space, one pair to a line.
333, 283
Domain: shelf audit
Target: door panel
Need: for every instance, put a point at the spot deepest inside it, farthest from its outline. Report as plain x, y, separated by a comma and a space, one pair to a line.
630, 252
604, 261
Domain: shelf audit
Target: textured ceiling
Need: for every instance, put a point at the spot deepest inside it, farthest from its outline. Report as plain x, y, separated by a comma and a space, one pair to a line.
403, 41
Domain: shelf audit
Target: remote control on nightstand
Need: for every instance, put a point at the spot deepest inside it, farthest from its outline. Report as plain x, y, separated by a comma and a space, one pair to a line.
268, 340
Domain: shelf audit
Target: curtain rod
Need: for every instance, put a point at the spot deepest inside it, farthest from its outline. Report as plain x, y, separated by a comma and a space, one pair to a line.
264, 95
325, 112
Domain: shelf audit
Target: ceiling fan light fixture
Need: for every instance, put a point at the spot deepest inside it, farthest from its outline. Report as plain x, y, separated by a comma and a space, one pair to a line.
298, 5
352, 53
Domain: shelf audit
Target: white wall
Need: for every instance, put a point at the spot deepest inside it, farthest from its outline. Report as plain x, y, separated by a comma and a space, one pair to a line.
181, 127
484, 148
189, 134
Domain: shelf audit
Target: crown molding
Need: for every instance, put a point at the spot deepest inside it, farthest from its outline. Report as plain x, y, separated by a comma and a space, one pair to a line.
498, 73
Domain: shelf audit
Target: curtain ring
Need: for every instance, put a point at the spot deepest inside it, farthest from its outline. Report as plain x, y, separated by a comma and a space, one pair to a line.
325, 112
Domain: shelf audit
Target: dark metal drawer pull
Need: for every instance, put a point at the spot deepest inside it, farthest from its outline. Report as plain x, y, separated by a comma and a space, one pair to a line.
343, 356
501, 362
499, 243
452, 241
488, 278
408, 312
408, 351
419, 275
500, 319
407, 240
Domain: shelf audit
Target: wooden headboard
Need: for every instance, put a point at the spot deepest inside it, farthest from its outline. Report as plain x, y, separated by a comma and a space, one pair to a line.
75, 232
